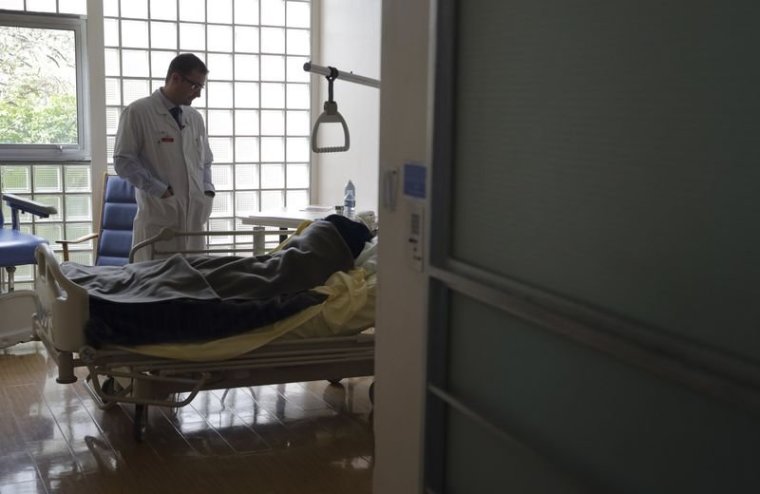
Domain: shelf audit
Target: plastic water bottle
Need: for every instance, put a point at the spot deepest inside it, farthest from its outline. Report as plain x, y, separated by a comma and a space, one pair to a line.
349, 199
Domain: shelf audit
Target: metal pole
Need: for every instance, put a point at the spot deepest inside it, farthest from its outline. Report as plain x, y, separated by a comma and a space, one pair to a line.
346, 76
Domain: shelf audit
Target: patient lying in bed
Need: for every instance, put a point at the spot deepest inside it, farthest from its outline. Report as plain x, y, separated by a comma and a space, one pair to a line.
183, 299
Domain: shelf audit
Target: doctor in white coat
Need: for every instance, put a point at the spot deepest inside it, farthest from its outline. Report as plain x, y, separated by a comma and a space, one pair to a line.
167, 158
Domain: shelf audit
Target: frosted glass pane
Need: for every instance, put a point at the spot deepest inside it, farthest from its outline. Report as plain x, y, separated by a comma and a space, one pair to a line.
272, 68
246, 67
111, 7
12, 4
272, 200
272, 149
78, 207
273, 12
72, 7
51, 231
299, 42
40, 5
192, 37
603, 169
47, 178
298, 148
163, 35
298, 123
222, 204
77, 178
111, 32
272, 40
297, 199
246, 11
113, 91
222, 176
246, 95
192, 10
246, 149
112, 63
51, 200
298, 176
157, 83
219, 122
247, 176
220, 11
137, 9
159, 61
294, 69
112, 119
299, 14
219, 94
272, 123
246, 39
220, 38
298, 96
134, 34
246, 202
222, 149
273, 176
200, 101
16, 179
246, 122
110, 140
220, 66
135, 63
219, 225
135, 89
163, 9
272, 95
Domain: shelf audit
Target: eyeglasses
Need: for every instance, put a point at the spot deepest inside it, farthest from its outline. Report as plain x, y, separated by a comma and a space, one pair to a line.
195, 86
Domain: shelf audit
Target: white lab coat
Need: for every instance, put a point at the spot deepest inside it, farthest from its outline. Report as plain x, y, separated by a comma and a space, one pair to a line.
152, 153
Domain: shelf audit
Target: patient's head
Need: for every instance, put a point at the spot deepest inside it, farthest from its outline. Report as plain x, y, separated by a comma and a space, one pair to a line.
354, 233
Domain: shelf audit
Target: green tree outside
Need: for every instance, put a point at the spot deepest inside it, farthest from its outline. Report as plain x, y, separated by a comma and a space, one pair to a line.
37, 86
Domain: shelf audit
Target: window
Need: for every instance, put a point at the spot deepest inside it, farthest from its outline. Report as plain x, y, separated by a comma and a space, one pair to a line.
43, 94
257, 99
44, 140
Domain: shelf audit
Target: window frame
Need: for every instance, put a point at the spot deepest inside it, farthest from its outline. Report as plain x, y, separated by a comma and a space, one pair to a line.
57, 152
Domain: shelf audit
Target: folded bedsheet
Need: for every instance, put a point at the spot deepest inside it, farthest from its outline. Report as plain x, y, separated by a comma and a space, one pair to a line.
186, 299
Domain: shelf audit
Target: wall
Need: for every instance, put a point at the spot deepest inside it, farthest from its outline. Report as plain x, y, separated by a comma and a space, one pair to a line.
401, 315
350, 41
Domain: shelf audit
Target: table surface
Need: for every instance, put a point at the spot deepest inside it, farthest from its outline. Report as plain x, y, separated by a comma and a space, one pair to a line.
287, 218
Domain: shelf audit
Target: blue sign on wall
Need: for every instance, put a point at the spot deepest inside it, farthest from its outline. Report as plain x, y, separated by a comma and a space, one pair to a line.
415, 176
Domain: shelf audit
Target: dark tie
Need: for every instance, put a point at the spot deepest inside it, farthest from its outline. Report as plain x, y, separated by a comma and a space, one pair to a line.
177, 114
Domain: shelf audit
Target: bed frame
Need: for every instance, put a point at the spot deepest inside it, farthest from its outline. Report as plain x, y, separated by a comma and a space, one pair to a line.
117, 375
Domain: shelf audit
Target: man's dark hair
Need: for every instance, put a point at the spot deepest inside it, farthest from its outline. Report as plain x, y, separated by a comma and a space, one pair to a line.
184, 64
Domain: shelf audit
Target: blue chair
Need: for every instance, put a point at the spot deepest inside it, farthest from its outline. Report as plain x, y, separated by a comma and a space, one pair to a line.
114, 240
16, 247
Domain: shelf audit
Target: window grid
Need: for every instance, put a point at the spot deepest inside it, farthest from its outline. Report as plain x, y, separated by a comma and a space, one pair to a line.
292, 188
61, 225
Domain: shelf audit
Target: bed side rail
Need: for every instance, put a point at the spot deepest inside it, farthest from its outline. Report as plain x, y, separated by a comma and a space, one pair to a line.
214, 247
62, 306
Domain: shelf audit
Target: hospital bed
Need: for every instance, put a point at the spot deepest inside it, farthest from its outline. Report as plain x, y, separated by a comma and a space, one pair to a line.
327, 341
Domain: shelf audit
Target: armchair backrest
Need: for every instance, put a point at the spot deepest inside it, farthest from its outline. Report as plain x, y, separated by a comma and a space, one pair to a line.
119, 210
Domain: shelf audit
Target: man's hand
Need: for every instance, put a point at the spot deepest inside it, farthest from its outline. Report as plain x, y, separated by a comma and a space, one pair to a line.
169, 192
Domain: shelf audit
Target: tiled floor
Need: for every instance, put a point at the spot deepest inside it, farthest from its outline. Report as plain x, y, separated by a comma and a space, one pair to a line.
290, 438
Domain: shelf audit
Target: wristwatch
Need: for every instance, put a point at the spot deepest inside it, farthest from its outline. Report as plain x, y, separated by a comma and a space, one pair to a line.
210, 193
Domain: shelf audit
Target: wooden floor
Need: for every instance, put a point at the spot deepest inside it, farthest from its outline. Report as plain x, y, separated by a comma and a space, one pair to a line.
291, 438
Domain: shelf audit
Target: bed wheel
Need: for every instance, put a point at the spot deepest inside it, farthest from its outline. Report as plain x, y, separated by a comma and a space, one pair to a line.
334, 382
109, 386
